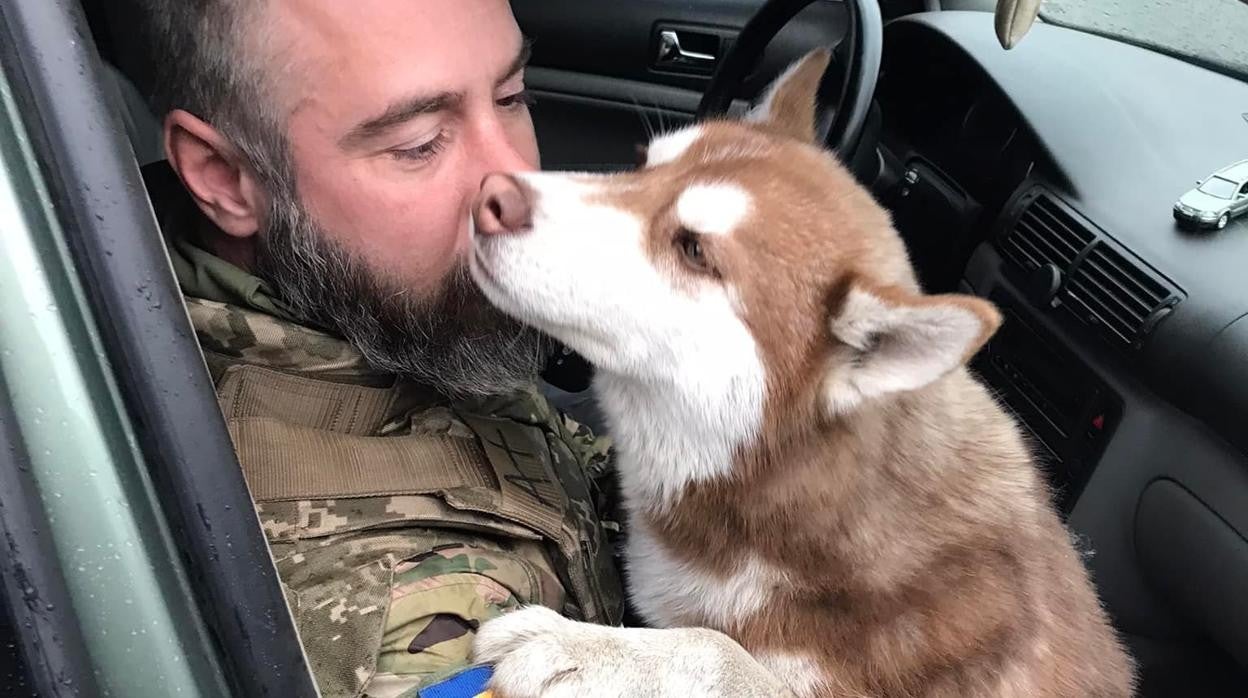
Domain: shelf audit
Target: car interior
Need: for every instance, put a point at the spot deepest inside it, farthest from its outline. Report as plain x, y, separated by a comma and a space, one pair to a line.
1040, 177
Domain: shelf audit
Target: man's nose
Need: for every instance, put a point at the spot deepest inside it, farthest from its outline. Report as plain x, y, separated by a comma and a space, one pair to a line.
505, 205
500, 148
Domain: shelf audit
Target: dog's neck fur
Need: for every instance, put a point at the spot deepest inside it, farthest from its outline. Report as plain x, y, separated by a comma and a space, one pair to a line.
672, 433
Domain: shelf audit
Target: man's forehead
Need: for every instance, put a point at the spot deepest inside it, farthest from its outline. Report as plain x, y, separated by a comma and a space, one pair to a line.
375, 40
348, 61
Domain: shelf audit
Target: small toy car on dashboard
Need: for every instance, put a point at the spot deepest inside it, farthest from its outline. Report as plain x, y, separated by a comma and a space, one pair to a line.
1217, 199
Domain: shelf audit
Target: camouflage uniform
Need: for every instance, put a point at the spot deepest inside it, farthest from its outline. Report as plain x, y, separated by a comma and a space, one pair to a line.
399, 520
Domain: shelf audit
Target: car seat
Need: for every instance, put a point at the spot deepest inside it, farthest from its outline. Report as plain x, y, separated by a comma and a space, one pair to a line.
127, 72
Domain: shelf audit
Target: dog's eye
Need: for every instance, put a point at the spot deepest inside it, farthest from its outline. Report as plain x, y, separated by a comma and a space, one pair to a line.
691, 250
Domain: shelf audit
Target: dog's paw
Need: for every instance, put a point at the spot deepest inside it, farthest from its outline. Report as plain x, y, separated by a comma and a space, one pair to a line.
533, 653
499, 636
537, 652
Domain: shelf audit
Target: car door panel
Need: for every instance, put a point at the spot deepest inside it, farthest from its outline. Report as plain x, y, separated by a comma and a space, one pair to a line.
601, 89
591, 122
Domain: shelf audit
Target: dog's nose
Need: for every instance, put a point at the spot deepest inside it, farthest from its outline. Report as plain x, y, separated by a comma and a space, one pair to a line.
503, 206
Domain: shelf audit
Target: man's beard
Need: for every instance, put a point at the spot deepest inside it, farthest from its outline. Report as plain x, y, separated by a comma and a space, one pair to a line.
451, 339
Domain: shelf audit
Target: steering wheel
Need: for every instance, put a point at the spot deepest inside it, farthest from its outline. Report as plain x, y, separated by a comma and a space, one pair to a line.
839, 124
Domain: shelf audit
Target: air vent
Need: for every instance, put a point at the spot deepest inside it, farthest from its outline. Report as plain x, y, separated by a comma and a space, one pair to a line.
1087, 273
1046, 234
1112, 292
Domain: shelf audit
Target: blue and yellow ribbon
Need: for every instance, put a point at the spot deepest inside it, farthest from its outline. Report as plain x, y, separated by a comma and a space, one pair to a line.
470, 683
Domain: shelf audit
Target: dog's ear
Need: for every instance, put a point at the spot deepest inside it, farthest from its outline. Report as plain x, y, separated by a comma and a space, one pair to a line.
788, 105
890, 340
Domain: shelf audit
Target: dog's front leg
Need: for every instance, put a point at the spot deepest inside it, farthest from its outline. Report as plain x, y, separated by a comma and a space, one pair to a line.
536, 652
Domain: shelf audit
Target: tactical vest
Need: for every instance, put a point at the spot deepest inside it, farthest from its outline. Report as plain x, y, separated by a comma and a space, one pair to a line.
358, 481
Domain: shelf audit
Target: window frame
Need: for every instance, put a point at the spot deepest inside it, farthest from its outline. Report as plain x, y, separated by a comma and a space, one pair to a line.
129, 299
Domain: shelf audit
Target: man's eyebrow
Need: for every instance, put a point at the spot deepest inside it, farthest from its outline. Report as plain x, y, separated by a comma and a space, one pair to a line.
408, 109
519, 62
398, 113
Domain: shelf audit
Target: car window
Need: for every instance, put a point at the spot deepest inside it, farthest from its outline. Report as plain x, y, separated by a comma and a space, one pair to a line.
1203, 31
1244, 189
1219, 187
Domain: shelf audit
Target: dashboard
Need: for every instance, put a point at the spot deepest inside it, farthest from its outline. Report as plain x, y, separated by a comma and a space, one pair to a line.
1043, 178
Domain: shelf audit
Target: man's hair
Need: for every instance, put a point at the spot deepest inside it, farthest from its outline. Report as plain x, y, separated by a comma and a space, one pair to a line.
205, 54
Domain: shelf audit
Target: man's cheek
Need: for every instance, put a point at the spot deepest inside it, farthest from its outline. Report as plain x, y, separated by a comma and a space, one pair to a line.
404, 225
420, 245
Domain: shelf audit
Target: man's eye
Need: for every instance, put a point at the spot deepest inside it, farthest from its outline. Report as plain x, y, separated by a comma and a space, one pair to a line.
423, 152
523, 98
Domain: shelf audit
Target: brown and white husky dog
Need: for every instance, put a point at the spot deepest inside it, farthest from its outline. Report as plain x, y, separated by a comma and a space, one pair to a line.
807, 464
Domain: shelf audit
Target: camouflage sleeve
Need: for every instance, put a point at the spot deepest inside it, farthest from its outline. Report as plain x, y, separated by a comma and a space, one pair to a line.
438, 601
383, 612
594, 454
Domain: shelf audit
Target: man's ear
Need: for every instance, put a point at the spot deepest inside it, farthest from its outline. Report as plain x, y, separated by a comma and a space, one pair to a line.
215, 173
891, 341
788, 105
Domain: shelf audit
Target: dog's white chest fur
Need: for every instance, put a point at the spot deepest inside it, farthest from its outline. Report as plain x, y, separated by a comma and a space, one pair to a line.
668, 591
667, 440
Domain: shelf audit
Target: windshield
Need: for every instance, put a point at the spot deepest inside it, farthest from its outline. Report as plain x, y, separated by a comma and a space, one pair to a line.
1210, 32
1216, 186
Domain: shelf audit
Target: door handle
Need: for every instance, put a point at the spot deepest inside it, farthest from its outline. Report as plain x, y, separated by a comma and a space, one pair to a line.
672, 55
